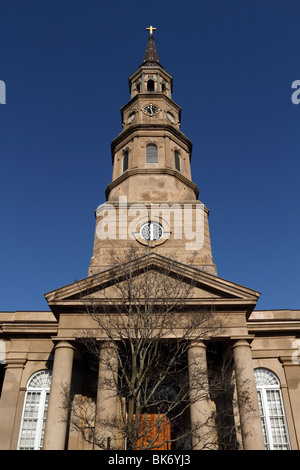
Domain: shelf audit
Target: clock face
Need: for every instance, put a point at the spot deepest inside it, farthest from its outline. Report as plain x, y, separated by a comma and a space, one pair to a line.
150, 109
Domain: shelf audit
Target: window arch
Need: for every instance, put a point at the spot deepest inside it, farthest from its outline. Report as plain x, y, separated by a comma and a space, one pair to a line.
271, 410
35, 410
150, 85
151, 153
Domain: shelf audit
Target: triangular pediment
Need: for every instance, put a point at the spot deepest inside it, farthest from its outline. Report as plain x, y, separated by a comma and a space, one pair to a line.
205, 288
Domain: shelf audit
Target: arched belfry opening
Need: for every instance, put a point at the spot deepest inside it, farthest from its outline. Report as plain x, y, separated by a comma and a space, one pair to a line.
150, 85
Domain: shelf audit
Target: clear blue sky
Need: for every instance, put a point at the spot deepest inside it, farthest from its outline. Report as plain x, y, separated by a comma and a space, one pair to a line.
66, 65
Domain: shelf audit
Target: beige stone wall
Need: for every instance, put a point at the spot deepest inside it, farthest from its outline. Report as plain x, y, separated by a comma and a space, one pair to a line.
28, 347
277, 347
186, 235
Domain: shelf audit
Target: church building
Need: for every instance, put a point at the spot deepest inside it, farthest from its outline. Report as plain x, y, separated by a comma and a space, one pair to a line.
152, 207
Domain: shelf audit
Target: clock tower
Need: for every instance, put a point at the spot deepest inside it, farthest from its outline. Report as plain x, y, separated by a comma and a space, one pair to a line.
152, 200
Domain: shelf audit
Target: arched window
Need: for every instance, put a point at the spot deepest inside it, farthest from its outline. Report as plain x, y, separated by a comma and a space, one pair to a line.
125, 160
271, 410
177, 160
151, 154
150, 85
35, 411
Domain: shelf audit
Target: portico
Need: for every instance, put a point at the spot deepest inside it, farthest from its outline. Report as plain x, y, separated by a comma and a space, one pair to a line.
233, 299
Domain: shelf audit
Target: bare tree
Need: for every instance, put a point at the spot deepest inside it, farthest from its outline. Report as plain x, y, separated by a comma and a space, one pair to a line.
146, 317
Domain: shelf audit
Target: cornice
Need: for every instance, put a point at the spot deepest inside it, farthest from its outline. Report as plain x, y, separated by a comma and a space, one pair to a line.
232, 297
148, 204
153, 171
150, 68
265, 322
267, 327
150, 127
29, 328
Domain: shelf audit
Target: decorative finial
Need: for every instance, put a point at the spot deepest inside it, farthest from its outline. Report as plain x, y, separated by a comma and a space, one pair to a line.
151, 29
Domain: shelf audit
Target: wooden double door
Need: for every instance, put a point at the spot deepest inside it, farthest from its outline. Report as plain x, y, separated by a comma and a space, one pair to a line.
156, 432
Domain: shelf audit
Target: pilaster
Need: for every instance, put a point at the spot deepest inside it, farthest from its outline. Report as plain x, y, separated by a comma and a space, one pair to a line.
291, 365
9, 400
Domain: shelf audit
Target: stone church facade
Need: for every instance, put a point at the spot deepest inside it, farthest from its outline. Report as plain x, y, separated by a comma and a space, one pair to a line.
151, 203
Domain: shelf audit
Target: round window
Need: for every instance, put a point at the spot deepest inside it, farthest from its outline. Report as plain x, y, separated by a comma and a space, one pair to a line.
151, 231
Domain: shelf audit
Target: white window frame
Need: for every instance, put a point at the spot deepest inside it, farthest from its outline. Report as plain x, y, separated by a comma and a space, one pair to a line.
44, 392
262, 389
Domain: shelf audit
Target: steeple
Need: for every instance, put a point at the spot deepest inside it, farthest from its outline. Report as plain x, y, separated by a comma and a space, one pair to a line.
151, 56
151, 160
151, 75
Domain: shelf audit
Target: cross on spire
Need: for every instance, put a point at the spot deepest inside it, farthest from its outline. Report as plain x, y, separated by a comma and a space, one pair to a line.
151, 29
151, 57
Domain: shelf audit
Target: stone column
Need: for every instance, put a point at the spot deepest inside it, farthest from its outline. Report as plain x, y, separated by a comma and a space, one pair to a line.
251, 427
200, 411
9, 400
106, 410
56, 425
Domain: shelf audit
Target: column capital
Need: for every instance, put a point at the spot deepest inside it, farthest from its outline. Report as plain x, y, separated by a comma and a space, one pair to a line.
245, 340
15, 363
197, 344
107, 344
62, 343
292, 360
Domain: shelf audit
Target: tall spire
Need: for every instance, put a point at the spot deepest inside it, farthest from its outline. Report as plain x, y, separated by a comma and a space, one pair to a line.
151, 56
